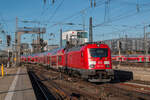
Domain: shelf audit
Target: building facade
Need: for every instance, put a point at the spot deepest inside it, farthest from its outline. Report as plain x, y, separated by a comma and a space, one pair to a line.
74, 37
128, 44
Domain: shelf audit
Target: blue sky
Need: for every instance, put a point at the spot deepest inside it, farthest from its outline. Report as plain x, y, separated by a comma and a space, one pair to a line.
122, 17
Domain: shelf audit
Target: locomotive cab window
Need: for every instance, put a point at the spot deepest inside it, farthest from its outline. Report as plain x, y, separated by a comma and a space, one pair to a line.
98, 52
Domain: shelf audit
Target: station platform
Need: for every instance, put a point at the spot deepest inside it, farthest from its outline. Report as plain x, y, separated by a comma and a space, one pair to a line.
138, 73
16, 85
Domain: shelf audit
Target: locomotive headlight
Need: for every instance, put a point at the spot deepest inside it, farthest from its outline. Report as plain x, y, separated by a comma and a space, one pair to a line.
92, 66
107, 66
106, 62
92, 62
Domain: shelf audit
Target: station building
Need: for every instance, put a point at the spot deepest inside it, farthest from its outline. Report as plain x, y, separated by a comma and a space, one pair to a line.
74, 37
136, 45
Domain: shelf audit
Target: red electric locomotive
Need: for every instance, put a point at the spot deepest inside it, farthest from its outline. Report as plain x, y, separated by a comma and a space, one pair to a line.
92, 61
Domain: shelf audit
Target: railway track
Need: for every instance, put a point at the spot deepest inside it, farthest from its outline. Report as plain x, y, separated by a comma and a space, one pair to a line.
60, 86
44, 86
82, 90
42, 93
131, 64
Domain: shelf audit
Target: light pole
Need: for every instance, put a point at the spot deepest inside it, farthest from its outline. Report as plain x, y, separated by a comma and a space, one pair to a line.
145, 43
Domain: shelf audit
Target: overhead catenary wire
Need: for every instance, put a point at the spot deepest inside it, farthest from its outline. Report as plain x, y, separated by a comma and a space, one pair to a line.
4, 22
115, 18
120, 17
55, 11
120, 31
107, 10
77, 14
99, 3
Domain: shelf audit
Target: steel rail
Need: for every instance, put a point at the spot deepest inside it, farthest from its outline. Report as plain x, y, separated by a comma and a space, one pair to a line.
45, 94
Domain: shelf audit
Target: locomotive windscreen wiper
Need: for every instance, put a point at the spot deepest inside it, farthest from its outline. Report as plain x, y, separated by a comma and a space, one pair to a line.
100, 58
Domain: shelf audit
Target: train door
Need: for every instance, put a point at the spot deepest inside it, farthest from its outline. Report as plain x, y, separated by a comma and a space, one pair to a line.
66, 62
82, 59
50, 62
57, 62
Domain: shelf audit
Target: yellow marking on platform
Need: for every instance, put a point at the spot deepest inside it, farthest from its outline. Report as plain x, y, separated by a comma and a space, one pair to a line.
2, 70
14, 59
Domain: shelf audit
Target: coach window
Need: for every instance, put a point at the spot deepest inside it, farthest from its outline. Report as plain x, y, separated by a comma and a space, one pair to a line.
59, 58
47, 58
82, 54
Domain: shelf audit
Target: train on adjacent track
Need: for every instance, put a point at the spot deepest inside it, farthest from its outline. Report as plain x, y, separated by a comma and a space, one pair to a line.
91, 61
139, 58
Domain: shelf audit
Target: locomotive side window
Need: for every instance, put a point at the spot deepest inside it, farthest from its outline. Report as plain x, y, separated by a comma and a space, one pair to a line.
99, 52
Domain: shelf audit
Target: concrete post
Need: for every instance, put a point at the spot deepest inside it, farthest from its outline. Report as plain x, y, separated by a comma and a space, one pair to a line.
90, 30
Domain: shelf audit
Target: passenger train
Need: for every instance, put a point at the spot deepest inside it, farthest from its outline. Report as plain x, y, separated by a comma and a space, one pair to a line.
91, 61
131, 58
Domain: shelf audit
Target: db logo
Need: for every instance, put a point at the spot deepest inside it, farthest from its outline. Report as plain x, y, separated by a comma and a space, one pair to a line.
100, 65
100, 62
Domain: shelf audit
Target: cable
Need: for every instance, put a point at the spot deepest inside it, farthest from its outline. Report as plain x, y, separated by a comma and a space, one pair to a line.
54, 13
4, 21
122, 17
77, 13
107, 8
123, 30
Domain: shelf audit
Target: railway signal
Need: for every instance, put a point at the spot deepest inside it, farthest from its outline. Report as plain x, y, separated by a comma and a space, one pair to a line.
120, 45
93, 3
53, 1
8, 40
